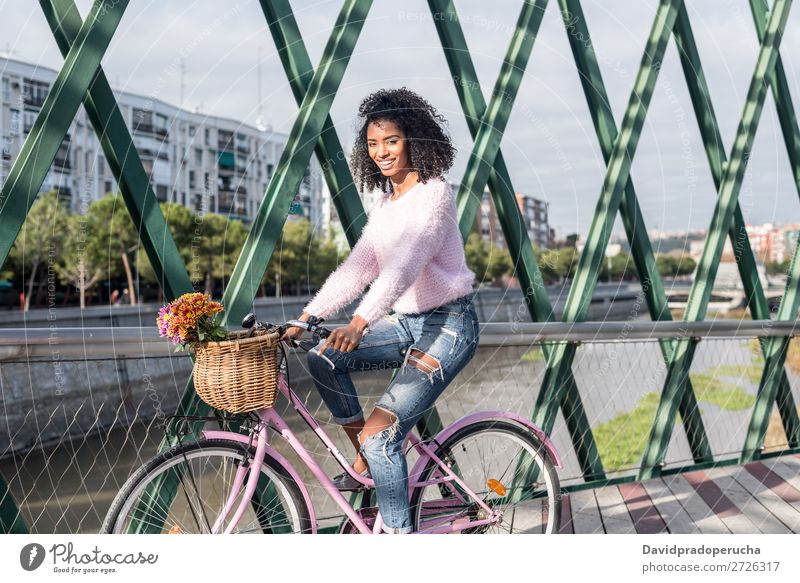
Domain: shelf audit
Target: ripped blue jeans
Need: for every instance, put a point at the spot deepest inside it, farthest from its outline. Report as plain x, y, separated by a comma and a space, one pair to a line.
448, 335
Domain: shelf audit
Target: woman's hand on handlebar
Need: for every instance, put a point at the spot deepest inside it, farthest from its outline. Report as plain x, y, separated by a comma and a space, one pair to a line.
293, 332
346, 338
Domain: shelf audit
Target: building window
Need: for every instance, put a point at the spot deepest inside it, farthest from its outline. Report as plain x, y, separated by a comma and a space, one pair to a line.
192, 131
208, 137
162, 125
109, 187
142, 121
270, 167
15, 122
34, 92
6, 148
198, 156
29, 117
6, 89
161, 193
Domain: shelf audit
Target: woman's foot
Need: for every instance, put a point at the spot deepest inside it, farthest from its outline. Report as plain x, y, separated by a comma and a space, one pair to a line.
344, 482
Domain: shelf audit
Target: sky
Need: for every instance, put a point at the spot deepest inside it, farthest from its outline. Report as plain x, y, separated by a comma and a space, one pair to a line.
550, 146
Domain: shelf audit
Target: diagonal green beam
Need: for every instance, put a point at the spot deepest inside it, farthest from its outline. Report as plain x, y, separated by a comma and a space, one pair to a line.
614, 183
58, 110
39, 149
715, 152
297, 64
123, 159
495, 118
632, 219
678, 370
474, 105
773, 384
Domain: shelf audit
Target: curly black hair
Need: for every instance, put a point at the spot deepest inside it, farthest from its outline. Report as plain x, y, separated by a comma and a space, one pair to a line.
430, 150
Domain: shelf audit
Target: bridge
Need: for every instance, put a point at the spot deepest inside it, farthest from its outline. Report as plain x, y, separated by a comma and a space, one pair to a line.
665, 425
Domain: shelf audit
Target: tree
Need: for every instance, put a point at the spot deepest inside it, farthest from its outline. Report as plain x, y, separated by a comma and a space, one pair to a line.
116, 240
550, 265
300, 259
80, 265
476, 256
568, 261
777, 267
488, 261
673, 266
183, 225
40, 239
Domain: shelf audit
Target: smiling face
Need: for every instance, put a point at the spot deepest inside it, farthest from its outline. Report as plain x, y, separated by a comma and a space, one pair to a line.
386, 144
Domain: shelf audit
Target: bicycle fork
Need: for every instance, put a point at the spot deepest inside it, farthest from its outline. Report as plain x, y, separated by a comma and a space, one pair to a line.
492, 516
250, 487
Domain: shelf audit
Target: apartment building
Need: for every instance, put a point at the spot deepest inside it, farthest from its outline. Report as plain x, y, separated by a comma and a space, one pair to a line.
207, 163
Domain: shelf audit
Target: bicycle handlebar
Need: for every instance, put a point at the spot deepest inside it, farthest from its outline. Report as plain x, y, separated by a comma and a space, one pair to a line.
312, 325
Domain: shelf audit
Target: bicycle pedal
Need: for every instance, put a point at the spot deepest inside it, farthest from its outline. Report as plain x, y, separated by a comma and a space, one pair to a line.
368, 515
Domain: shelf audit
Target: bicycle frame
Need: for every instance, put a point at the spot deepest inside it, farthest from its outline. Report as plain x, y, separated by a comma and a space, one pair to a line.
270, 417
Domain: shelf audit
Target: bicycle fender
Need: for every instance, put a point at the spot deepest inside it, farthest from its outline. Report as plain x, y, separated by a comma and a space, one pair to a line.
507, 416
278, 458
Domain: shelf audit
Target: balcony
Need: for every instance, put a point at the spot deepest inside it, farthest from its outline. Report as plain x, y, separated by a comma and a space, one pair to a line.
62, 164
34, 100
147, 129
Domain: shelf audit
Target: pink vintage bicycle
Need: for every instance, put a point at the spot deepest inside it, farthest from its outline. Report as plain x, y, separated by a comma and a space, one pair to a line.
489, 472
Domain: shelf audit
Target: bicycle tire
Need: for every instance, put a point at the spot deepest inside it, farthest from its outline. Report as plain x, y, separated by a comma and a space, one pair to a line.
164, 461
551, 500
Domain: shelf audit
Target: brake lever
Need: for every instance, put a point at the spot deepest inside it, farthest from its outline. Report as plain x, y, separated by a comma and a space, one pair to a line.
308, 346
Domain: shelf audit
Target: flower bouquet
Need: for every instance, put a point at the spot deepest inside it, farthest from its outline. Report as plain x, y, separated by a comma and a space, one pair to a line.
234, 372
191, 319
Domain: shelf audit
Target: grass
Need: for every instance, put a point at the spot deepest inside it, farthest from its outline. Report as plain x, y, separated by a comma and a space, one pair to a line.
533, 355
775, 439
724, 395
739, 371
621, 440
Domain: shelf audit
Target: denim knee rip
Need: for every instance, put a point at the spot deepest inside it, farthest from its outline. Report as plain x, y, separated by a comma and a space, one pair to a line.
420, 364
385, 435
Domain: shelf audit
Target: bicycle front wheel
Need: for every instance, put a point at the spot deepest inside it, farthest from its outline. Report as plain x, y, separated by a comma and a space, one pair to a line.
493, 458
185, 489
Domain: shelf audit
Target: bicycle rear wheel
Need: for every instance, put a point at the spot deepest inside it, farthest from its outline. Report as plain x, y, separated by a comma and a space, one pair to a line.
491, 457
184, 489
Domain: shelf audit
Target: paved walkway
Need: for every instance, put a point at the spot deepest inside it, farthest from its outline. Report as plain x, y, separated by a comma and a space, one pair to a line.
759, 497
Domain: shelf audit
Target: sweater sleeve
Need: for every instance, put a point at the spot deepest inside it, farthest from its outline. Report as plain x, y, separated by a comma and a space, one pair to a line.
422, 237
348, 280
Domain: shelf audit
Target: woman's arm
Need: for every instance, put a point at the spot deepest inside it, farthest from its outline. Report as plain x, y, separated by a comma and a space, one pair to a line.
347, 281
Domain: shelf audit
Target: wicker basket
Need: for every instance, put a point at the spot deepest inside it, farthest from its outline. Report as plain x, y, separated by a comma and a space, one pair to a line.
240, 374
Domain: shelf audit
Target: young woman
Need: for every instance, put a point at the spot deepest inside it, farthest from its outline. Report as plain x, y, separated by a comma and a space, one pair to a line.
411, 255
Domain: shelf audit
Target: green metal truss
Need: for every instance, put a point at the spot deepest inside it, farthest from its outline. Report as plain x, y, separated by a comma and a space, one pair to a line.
81, 80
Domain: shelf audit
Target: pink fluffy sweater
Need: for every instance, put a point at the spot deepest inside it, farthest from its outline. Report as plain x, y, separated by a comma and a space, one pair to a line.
411, 253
